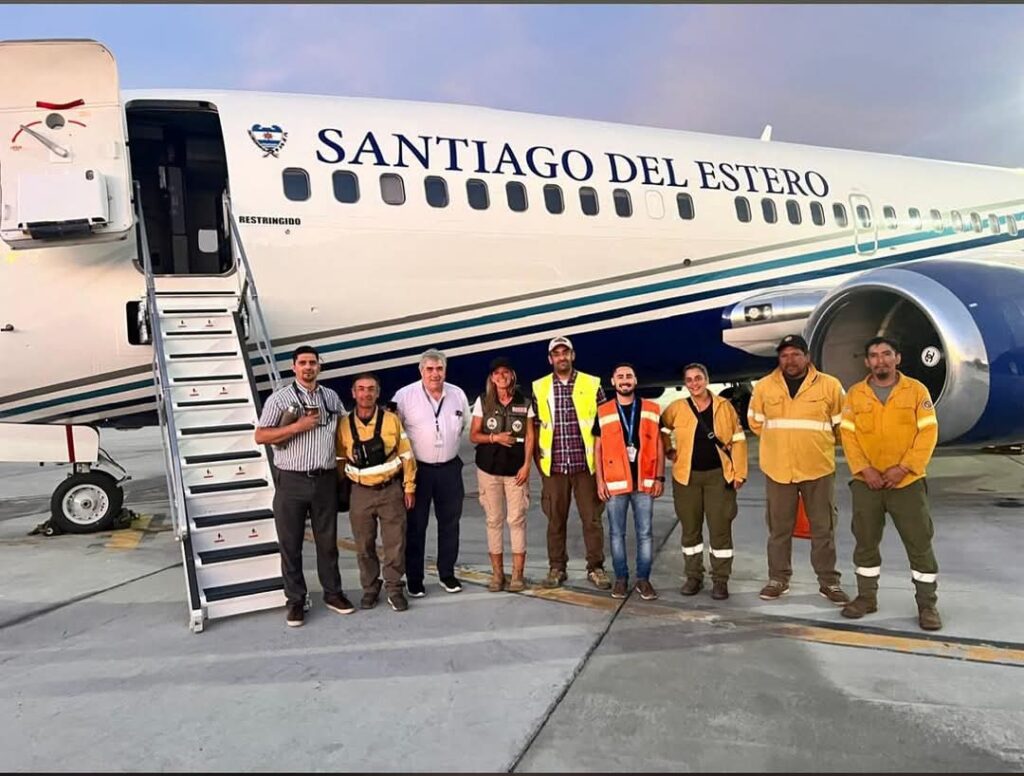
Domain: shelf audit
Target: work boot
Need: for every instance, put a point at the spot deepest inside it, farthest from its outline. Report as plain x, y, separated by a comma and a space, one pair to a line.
497, 583
369, 599
860, 606
928, 618
691, 586
555, 578
719, 589
296, 615
599, 579
619, 589
518, 584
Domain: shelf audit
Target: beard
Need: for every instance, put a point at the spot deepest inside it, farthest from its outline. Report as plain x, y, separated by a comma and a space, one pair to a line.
625, 391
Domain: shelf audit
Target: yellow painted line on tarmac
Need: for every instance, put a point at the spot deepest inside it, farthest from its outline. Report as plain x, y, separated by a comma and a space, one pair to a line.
564, 595
129, 538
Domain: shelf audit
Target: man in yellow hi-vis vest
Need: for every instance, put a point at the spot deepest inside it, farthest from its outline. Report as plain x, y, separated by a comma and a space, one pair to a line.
889, 432
565, 407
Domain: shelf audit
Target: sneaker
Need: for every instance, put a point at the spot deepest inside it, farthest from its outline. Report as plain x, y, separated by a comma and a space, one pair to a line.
296, 615
691, 586
646, 590
858, 607
774, 589
451, 585
619, 589
369, 599
835, 594
416, 589
719, 589
599, 579
398, 602
928, 618
555, 578
338, 603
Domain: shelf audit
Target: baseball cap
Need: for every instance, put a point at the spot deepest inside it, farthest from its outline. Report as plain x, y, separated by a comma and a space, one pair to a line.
500, 362
559, 341
792, 341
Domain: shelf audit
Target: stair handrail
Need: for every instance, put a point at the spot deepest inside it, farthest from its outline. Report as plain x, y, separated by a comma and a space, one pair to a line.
165, 407
259, 330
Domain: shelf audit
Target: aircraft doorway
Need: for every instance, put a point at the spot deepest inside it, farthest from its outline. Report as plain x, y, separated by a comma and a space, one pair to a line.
177, 156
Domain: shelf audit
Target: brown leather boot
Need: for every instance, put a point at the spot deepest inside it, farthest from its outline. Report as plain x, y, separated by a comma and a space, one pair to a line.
518, 584
860, 606
928, 618
497, 583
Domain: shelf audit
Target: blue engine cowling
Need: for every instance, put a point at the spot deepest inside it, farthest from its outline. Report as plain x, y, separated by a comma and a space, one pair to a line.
961, 329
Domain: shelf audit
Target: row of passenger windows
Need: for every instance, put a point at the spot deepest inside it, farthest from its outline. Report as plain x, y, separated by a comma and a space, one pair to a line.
435, 189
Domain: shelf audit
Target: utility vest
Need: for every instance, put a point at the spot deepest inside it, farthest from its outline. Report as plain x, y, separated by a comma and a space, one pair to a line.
584, 400
618, 476
497, 459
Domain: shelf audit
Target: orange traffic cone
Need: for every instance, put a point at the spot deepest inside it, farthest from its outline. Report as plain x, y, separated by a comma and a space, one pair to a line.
802, 529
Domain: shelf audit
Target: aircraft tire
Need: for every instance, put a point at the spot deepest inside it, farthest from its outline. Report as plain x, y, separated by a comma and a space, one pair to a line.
86, 502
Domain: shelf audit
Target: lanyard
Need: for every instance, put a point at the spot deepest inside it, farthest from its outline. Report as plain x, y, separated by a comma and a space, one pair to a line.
437, 412
632, 420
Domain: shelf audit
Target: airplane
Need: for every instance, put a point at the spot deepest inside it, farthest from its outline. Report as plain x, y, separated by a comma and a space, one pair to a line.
374, 229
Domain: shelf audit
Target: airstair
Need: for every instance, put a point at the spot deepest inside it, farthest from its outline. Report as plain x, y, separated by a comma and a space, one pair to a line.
204, 332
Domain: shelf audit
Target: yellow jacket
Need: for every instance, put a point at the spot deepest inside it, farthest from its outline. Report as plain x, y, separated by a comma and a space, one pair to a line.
902, 432
679, 425
395, 442
798, 435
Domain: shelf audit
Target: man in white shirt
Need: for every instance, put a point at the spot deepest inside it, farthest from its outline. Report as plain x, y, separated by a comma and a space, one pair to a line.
434, 414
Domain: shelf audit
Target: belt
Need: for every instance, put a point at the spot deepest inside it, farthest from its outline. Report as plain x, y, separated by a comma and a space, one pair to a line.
380, 485
437, 465
311, 473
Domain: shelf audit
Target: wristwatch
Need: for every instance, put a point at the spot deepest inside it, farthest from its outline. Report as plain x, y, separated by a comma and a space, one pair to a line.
660, 479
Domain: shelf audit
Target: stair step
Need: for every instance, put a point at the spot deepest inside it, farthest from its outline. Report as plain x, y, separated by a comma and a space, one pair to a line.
215, 354
238, 553
243, 588
224, 487
200, 333
195, 311
229, 518
207, 379
217, 429
222, 457
211, 403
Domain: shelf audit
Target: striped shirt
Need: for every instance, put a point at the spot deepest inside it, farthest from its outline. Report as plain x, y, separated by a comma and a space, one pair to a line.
312, 449
568, 453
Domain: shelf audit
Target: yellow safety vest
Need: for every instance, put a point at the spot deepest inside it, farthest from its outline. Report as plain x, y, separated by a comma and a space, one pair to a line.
584, 399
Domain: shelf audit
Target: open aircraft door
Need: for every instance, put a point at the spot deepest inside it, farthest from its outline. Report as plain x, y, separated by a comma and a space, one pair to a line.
64, 173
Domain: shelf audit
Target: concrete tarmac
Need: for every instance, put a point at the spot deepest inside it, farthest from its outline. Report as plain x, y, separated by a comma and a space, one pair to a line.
100, 671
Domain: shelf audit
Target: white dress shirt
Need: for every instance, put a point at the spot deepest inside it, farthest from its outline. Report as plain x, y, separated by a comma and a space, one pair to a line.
434, 427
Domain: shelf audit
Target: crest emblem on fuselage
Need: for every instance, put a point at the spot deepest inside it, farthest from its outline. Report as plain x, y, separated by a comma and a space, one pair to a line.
270, 139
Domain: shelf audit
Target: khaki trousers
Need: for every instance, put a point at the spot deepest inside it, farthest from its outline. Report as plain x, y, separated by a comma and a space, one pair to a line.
909, 510
503, 501
819, 501
556, 492
368, 507
706, 495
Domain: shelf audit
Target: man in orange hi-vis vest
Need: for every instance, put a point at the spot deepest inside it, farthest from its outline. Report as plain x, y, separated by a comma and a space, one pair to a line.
630, 471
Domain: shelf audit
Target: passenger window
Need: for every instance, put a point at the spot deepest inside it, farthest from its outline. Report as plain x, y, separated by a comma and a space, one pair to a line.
655, 204
768, 211
915, 217
817, 214
993, 223
937, 224
346, 186
392, 188
958, 221
623, 203
476, 193
839, 214
553, 200
436, 189
684, 204
588, 201
889, 214
1011, 225
742, 209
515, 193
793, 211
976, 222
864, 216
296, 184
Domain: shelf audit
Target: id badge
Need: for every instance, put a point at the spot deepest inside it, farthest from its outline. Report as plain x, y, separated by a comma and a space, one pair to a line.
631, 454
438, 439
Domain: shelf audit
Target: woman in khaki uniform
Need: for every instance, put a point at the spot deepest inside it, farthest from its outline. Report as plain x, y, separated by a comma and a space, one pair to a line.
706, 443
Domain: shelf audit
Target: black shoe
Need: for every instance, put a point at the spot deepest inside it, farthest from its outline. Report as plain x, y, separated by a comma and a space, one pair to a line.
369, 599
451, 585
338, 603
416, 589
398, 602
296, 615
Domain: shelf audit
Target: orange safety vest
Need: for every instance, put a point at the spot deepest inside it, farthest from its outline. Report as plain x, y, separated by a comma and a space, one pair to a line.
615, 464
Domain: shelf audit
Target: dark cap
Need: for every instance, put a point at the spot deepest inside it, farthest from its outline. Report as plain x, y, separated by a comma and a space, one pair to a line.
500, 362
792, 341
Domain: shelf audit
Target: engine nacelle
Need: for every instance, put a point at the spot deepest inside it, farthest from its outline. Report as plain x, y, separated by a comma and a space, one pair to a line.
961, 329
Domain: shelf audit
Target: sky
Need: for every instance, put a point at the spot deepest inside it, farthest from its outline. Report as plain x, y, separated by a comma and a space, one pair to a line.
937, 81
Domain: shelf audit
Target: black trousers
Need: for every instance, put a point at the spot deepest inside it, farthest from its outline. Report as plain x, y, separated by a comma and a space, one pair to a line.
442, 485
298, 497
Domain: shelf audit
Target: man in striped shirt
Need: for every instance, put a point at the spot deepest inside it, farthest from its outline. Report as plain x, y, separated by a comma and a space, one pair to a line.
305, 477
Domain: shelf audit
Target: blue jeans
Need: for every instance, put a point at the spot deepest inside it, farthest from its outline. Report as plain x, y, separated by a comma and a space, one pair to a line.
643, 513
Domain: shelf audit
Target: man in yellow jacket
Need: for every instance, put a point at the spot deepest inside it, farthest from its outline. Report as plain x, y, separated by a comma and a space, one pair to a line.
889, 432
796, 410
